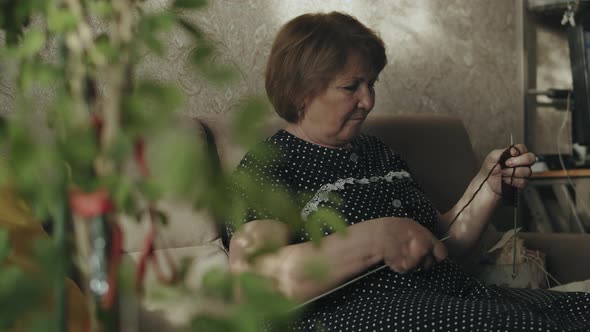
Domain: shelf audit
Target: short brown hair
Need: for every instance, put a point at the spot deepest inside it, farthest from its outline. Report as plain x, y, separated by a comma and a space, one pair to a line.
309, 51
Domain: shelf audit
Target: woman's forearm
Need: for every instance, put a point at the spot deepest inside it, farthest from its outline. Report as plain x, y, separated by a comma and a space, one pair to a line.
343, 255
471, 223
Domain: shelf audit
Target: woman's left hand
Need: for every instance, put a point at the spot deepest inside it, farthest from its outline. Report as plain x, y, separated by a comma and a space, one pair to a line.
517, 172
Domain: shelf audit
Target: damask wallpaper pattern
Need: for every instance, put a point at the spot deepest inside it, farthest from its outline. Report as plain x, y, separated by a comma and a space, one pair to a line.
456, 57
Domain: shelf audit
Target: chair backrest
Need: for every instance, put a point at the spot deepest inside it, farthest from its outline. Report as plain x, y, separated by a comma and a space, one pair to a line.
437, 149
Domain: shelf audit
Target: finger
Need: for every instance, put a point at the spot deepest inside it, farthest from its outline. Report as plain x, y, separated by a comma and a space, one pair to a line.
519, 183
406, 266
428, 261
518, 149
424, 262
394, 264
525, 159
396, 268
439, 251
493, 157
519, 172
495, 154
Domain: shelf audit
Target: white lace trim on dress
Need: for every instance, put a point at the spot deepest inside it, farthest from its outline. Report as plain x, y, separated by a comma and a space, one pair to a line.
322, 193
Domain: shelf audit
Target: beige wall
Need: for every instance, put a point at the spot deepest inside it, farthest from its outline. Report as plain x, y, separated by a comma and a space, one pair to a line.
455, 57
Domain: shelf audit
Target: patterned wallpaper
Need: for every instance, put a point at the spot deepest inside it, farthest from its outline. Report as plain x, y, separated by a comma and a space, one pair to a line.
456, 57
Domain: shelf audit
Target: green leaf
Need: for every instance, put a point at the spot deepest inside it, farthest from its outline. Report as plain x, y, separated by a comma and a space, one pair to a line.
218, 283
122, 190
315, 232
6, 173
49, 258
330, 217
202, 58
26, 75
154, 44
209, 323
61, 20
47, 74
162, 217
259, 293
42, 322
267, 248
122, 146
174, 167
103, 51
316, 269
127, 276
322, 216
202, 53
190, 4
183, 269
100, 8
4, 245
191, 28
18, 295
165, 96
150, 189
249, 119
80, 148
151, 26
149, 108
33, 42
218, 74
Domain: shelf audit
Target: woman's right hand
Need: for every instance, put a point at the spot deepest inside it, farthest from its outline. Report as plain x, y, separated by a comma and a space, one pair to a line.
408, 246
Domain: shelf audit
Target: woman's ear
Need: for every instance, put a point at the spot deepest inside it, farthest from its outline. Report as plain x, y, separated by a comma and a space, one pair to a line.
301, 107
300, 112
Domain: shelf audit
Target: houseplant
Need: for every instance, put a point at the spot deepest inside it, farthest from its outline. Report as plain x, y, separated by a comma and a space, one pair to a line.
81, 114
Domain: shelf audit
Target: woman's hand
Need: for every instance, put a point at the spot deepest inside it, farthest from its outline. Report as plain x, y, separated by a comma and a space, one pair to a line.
408, 246
517, 172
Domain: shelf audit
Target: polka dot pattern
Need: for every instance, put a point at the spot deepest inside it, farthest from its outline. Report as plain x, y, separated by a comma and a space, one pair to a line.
445, 298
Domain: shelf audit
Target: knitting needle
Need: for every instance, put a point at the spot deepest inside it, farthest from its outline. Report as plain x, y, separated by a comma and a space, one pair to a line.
351, 281
514, 226
341, 286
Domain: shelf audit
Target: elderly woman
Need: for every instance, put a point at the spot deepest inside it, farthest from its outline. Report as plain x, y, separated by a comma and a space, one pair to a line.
320, 78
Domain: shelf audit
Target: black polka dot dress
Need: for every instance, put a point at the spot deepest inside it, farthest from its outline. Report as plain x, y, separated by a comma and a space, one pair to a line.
369, 181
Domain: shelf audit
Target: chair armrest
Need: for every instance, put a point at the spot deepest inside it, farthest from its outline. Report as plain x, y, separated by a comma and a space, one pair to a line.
568, 255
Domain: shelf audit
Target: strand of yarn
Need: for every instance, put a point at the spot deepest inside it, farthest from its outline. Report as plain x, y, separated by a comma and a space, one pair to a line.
477, 191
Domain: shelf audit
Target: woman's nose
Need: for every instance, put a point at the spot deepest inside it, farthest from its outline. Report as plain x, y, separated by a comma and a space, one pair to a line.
366, 97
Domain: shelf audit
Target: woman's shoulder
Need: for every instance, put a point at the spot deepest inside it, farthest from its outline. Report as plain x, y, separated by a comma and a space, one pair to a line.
373, 143
378, 148
368, 139
271, 151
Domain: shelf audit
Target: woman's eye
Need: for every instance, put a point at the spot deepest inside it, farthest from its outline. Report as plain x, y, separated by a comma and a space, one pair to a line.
351, 87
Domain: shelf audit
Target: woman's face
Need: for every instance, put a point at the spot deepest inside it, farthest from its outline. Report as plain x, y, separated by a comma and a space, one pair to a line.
334, 117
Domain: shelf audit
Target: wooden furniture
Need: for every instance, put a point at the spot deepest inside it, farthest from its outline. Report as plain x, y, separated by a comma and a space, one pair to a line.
559, 201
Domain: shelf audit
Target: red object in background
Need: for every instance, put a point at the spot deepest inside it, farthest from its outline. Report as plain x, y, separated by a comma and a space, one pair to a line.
140, 157
148, 254
89, 205
114, 262
98, 123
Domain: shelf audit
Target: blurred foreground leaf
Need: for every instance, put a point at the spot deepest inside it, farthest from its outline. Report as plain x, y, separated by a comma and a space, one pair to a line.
249, 120
32, 43
194, 4
218, 283
4, 245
